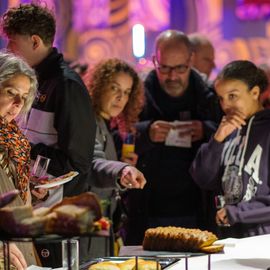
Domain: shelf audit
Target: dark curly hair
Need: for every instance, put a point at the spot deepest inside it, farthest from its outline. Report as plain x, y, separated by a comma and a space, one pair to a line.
246, 72
102, 74
30, 19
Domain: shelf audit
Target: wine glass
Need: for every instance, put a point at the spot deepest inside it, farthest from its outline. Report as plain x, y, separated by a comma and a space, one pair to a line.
39, 169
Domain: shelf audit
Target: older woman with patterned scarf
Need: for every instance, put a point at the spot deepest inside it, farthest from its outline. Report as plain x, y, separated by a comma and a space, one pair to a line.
17, 91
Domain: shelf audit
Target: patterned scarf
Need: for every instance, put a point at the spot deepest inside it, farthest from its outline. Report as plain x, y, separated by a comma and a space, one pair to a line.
119, 123
17, 150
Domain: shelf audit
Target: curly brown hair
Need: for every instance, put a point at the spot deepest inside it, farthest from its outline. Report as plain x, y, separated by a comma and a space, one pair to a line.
102, 75
30, 19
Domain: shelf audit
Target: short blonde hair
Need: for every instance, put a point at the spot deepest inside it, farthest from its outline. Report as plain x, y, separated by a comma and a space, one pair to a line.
10, 66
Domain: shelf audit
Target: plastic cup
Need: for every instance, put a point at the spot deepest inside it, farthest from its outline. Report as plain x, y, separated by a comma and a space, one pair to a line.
70, 254
128, 144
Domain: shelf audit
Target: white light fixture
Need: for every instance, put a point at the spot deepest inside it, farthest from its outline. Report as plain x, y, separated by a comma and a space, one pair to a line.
138, 40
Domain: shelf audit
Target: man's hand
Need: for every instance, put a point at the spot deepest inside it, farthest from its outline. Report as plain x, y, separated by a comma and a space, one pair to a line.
193, 128
16, 257
229, 123
159, 130
132, 178
221, 217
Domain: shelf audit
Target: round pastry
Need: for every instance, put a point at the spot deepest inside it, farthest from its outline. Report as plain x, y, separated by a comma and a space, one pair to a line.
129, 264
149, 265
104, 266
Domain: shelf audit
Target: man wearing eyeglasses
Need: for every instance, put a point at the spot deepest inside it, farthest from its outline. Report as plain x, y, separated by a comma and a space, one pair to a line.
178, 116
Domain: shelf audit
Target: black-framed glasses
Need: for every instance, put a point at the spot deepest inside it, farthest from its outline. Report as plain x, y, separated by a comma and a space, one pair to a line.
180, 69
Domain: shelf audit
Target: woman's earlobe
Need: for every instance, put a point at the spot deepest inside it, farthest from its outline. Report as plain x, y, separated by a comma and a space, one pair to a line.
256, 92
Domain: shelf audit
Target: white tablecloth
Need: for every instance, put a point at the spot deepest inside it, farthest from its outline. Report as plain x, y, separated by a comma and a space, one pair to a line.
245, 253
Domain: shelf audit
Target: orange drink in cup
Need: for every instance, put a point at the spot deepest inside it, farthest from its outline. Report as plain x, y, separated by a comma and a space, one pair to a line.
128, 144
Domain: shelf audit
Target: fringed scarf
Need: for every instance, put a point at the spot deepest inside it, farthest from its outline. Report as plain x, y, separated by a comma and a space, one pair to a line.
17, 150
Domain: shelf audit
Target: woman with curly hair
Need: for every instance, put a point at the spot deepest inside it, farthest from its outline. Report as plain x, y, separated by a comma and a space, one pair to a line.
117, 96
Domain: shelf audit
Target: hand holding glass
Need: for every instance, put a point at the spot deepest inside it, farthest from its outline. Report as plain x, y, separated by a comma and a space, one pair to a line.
40, 166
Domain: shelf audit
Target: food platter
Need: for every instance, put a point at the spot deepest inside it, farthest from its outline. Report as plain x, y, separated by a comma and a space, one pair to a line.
58, 180
139, 251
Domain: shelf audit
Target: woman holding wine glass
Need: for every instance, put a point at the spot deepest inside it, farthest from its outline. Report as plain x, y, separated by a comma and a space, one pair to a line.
17, 91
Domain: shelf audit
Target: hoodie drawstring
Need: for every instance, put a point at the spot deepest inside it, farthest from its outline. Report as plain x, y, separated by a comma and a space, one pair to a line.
245, 146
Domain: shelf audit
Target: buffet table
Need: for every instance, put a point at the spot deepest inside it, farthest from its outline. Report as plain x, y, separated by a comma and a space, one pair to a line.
245, 253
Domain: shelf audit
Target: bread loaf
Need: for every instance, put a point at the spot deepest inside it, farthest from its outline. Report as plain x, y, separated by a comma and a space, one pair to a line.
19, 220
87, 199
72, 216
177, 239
70, 219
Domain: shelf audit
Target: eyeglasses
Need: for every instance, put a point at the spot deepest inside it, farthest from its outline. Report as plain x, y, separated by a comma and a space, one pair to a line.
180, 69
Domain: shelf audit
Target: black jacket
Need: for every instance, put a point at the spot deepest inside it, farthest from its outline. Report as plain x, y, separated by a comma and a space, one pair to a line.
61, 124
170, 189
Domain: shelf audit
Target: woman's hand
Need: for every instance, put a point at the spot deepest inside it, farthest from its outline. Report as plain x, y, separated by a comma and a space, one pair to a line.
39, 193
132, 178
16, 257
130, 158
228, 124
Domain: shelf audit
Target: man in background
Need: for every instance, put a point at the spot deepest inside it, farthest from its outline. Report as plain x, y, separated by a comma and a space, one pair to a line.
203, 59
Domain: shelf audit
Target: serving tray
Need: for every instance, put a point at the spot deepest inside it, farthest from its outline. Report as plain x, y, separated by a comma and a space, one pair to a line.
164, 262
139, 251
49, 237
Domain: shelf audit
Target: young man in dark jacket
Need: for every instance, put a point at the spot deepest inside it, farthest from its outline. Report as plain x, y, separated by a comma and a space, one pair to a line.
61, 124
173, 92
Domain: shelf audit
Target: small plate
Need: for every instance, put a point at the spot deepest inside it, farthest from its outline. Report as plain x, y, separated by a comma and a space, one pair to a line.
58, 180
